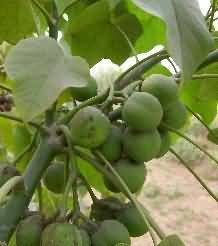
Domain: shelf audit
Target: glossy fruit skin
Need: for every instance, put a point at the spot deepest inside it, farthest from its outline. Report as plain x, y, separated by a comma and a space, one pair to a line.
58, 234
165, 144
110, 233
164, 88
132, 174
132, 220
54, 178
90, 127
175, 115
142, 111
7, 172
141, 146
29, 231
86, 92
112, 147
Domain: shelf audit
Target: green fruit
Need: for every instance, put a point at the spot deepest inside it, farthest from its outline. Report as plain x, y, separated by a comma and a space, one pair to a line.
162, 87
165, 144
86, 241
54, 178
141, 146
112, 147
84, 93
7, 172
29, 231
132, 220
175, 115
142, 111
59, 234
110, 233
90, 127
132, 174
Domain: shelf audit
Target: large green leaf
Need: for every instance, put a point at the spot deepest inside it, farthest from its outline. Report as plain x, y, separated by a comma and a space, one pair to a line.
16, 20
93, 32
172, 240
190, 95
189, 40
41, 72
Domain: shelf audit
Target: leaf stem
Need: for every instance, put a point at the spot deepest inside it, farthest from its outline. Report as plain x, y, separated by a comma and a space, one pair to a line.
128, 194
89, 188
190, 141
185, 164
5, 87
212, 15
205, 76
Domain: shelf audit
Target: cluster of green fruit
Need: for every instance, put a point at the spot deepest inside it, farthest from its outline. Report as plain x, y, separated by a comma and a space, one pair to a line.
138, 135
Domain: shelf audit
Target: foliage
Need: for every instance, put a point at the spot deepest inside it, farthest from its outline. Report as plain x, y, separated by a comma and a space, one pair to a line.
70, 128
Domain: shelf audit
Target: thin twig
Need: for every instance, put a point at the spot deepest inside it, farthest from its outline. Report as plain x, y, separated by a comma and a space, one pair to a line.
212, 15
185, 164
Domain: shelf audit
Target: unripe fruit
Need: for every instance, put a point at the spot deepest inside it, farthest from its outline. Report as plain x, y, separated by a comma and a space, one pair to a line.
54, 178
175, 115
132, 174
86, 241
90, 127
132, 220
164, 88
86, 92
111, 233
29, 231
165, 144
59, 234
112, 147
141, 146
142, 111
7, 172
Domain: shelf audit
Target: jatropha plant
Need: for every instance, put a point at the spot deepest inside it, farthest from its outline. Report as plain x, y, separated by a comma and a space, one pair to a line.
66, 130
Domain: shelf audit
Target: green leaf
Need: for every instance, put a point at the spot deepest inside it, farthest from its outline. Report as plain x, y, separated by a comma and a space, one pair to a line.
189, 40
16, 20
94, 178
207, 108
213, 136
172, 240
82, 32
63, 4
41, 72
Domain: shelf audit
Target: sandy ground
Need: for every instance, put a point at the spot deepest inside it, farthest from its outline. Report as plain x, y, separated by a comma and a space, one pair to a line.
179, 204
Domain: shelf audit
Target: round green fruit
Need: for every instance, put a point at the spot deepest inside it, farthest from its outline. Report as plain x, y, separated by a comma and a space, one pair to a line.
86, 92
165, 144
132, 174
175, 115
29, 231
54, 178
86, 241
141, 146
90, 127
132, 220
111, 233
7, 172
164, 88
112, 147
59, 234
142, 111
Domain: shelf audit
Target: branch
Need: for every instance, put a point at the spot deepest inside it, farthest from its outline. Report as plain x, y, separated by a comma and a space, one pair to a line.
185, 164
212, 15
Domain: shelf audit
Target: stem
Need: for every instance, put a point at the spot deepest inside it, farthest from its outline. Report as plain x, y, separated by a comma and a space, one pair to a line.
92, 101
205, 76
39, 191
49, 19
17, 119
4, 87
134, 73
105, 172
128, 194
190, 141
212, 15
26, 150
8, 186
199, 118
11, 214
185, 164
89, 188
